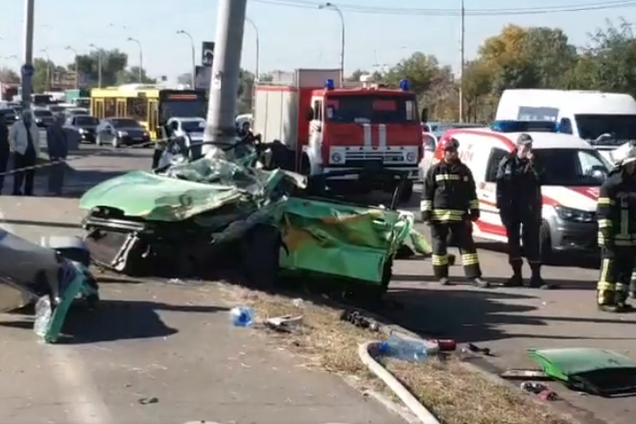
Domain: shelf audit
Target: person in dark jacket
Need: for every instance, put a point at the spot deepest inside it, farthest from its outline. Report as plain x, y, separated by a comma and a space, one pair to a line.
5, 149
449, 205
616, 217
519, 202
57, 145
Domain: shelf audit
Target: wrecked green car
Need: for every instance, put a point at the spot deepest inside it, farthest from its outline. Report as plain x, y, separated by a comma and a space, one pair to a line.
194, 219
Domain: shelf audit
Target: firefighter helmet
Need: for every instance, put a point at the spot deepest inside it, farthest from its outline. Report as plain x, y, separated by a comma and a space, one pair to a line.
624, 154
449, 144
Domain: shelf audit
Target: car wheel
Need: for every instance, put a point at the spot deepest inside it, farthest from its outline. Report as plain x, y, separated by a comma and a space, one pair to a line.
115, 142
545, 243
98, 140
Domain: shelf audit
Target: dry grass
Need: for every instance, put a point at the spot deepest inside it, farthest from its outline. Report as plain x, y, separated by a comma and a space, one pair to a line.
453, 394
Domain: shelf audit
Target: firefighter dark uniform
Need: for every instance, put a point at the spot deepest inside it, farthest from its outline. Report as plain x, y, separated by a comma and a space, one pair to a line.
449, 204
616, 215
519, 202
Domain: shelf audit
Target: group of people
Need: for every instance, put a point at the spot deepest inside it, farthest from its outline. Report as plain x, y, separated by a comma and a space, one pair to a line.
449, 205
21, 141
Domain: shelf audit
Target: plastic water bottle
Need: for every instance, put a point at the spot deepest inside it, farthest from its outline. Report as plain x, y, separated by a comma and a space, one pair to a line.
242, 316
404, 349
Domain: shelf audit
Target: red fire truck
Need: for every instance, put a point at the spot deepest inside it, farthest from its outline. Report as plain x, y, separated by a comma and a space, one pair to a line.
336, 128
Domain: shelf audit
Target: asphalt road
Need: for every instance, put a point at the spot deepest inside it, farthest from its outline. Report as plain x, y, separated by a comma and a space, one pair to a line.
153, 352
173, 343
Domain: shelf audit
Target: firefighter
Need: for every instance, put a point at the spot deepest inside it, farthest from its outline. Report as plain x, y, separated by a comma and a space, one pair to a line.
616, 214
449, 205
519, 202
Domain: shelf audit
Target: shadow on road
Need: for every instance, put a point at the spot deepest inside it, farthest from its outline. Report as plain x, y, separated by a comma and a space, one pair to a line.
500, 281
123, 320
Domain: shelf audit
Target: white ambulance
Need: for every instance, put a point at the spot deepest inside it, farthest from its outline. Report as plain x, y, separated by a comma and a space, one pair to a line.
572, 171
605, 120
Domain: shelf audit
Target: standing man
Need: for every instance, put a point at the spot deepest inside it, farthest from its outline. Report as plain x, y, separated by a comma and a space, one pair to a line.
24, 137
449, 205
616, 216
520, 203
57, 144
5, 150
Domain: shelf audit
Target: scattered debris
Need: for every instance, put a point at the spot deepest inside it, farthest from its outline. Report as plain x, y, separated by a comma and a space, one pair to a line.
599, 372
356, 318
523, 374
286, 323
148, 401
446, 345
407, 349
476, 349
242, 316
540, 390
52, 275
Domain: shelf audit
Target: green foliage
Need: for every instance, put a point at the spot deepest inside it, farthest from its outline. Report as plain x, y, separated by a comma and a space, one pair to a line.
518, 57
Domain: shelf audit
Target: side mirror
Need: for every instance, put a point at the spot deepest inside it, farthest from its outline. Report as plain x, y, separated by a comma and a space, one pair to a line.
424, 116
310, 115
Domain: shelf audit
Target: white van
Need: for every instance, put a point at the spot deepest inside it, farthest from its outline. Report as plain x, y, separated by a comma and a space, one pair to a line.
605, 120
572, 170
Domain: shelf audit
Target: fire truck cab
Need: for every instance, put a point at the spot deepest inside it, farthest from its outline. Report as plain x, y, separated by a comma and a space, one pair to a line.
337, 128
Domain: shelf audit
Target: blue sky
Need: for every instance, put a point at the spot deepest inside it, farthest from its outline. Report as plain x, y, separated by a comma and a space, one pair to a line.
290, 37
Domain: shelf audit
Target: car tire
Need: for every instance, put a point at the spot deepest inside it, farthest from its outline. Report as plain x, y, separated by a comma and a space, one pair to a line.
545, 244
115, 143
98, 140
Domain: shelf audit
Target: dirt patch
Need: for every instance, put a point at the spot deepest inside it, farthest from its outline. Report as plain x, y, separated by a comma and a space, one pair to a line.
453, 394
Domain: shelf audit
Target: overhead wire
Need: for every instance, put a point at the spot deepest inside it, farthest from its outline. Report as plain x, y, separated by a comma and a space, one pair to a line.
376, 10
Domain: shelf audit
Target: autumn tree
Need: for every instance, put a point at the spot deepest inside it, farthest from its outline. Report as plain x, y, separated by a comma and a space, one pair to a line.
9, 76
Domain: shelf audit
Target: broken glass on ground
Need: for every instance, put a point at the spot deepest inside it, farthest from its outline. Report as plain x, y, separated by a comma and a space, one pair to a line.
32, 273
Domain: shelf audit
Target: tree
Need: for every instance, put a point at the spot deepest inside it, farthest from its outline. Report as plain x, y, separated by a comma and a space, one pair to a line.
9, 76
419, 69
113, 62
355, 75
185, 78
43, 74
477, 87
131, 75
551, 55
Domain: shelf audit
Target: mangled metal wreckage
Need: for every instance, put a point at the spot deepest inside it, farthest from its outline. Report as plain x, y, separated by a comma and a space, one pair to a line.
192, 219
52, 276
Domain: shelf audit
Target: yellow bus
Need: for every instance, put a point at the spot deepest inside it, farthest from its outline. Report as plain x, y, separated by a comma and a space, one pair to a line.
151, 105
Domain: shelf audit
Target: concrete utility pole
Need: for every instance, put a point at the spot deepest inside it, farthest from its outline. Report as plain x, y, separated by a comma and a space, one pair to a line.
194, 61
462, 50
342, 37
141, 59
224, 83
27, 66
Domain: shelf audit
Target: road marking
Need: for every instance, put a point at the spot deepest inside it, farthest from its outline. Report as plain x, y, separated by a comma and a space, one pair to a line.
83, 402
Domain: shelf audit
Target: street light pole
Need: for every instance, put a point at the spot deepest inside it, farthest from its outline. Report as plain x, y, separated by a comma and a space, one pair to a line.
258, 62
27, 76
342, 37
76, 65
462, 49
194, 66
99, 65
48, 69
141, 59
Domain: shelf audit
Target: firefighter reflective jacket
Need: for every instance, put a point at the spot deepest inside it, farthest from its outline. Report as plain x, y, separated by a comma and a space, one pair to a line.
616, 210
449, 193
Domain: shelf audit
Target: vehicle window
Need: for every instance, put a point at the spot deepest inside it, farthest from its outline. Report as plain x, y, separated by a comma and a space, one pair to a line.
193, 126
371, 109
317, 110
496, 155
42, 113
571, 167
527, 113
566, 126
86, 120
622, 128
410, 110
125, 123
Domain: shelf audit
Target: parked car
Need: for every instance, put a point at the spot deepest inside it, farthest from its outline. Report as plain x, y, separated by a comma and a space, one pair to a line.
85, 125
8, 115
43, 117
121, 131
